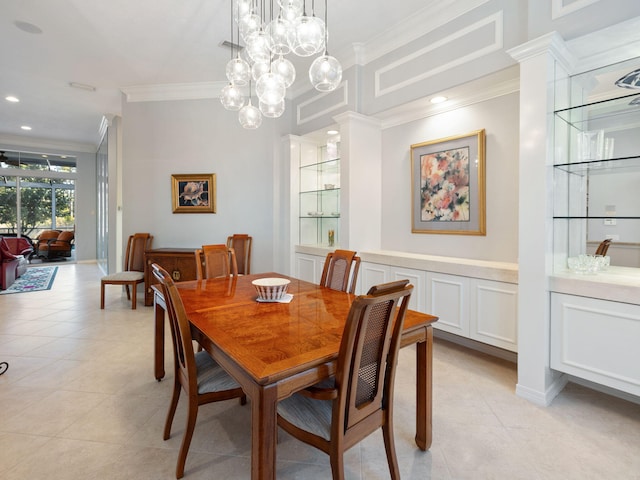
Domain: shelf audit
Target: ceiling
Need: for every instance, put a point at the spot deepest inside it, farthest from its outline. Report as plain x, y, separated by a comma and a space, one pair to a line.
45, 45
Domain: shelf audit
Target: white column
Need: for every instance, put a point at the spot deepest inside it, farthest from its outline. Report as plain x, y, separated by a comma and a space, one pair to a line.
542, 62
360, 181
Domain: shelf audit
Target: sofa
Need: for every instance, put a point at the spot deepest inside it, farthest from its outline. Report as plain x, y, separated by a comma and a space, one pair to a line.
14, 254
55, 244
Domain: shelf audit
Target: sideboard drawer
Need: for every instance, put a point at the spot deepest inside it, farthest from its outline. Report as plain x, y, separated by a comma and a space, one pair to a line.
179, 262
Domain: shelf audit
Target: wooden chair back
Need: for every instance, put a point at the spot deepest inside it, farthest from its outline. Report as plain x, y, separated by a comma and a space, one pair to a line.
241, 243
137, 244
214, 261
603, 247
340, 271
368, 357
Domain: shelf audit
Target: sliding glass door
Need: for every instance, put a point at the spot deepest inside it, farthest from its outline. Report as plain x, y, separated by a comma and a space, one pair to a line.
37, 192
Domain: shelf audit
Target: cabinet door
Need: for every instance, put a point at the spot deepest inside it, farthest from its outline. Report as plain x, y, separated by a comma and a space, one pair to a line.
448, 299
417, 278
596, 340
371, 274
494, 313
309, 267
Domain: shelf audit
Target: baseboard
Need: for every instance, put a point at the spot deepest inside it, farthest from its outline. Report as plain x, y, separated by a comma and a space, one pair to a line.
475, 345
545, 398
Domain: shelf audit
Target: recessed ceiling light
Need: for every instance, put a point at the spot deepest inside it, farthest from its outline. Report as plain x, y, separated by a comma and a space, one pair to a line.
25, 127
438, 99
332, 132
11, 98
45, 156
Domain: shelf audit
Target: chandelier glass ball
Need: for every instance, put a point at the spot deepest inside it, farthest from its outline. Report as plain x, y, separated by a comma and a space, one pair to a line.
272, 111
285, 69
280, 31
250, 116
309, 36
325, 73
238, 71
258, 69
231, 97
270, 89
249, 24
259, 46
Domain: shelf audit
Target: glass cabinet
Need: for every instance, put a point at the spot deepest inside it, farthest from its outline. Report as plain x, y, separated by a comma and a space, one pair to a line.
320, 197
596, 167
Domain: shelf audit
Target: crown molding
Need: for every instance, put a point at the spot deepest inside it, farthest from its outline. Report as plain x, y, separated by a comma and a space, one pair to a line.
19, 141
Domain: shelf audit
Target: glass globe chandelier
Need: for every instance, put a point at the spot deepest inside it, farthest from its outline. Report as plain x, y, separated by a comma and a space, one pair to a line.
269, 36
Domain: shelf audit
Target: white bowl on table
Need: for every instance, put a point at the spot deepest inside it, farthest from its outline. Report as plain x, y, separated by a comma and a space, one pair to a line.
271, 289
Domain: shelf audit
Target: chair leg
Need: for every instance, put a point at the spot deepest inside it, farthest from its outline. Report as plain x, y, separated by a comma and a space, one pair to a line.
102, 295
177, 388
337, 465
186, 439
126, 288
134, 295
390, 447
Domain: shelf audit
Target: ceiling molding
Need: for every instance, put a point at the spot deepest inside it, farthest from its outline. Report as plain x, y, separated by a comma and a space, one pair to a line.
19, 141
434, 14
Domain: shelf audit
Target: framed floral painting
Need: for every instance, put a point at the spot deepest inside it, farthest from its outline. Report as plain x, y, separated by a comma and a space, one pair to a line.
448, 185
193, 193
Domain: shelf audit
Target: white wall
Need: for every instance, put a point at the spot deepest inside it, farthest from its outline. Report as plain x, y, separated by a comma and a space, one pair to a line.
499, 118
180, 137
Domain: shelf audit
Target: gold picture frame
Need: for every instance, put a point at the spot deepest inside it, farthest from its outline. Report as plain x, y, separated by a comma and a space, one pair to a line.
448, 185
193, 193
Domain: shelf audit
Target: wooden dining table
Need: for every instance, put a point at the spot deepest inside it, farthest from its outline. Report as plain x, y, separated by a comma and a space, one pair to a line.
275, 349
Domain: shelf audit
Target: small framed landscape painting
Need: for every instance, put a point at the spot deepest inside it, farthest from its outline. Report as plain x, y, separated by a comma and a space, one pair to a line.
448, 185
193, 193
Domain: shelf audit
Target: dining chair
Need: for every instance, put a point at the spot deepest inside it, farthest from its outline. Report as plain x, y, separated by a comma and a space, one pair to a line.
340, 271
133, 272
603, 247
202, 379
215, 261
241, 243
338, 413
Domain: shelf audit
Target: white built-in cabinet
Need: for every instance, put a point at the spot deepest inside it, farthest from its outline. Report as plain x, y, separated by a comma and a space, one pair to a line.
471, 307
595, 318
596, 340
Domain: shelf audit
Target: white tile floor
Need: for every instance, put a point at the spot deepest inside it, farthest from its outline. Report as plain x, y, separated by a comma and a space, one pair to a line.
79, 401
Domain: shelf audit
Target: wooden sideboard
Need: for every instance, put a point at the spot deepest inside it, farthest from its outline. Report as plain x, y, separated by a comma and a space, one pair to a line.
179, 262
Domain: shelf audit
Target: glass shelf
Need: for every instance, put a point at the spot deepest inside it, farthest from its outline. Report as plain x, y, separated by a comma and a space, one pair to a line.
319, 194
596, 166
607, 114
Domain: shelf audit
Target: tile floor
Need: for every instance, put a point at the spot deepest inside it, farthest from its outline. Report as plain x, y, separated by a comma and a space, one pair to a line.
79, 401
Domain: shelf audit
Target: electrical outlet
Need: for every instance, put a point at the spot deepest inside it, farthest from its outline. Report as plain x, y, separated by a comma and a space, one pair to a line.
610, 221
614, 238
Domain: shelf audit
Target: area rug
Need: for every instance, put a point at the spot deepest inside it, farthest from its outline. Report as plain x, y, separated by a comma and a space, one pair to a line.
33, 280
